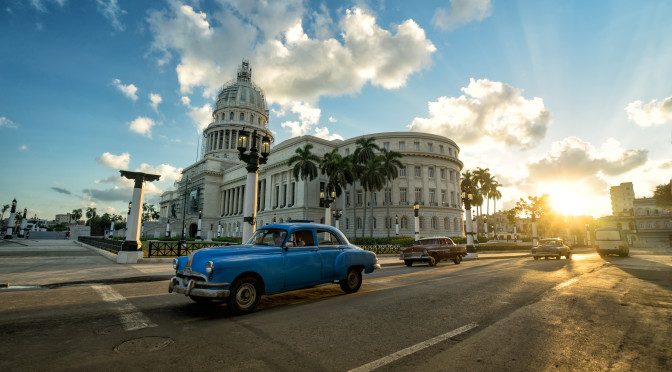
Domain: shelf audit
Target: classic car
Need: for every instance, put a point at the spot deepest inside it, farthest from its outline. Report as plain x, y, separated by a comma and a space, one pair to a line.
553, 247
277, 258
433, 250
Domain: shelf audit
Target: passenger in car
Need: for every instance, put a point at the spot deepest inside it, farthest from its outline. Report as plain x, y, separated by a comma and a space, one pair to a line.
298, 239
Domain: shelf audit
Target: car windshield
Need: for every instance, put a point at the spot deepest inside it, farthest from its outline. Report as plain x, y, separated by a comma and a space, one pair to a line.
551, 242
273, 237
607, 235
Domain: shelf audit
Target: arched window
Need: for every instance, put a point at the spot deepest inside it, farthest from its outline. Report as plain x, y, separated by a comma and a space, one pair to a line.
456, 226
223, 116
435, 223
359, 222
242, 116
231, 116
446, 223
404, 222
252, 118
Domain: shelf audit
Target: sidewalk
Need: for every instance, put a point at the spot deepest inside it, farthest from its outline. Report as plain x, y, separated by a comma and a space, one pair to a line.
30, 263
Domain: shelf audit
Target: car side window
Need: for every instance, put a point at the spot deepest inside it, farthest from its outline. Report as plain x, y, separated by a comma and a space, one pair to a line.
327, 238
303, 238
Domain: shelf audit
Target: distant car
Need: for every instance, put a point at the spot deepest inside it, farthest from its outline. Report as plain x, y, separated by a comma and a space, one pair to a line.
611, 240
553, 247
433, 250
277, 258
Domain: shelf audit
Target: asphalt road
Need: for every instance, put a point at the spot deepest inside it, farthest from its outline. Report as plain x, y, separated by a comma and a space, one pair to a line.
588, 313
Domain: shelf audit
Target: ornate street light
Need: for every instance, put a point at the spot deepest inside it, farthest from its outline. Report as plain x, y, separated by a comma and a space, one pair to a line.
326, 200
416, 211
337, 216
252, 160
200, 217
396, 224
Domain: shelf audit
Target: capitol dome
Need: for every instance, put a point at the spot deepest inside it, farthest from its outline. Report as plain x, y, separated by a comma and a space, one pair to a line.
241, 105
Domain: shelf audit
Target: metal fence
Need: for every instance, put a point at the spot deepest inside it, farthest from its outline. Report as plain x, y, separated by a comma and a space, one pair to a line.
99, 242
159, 248
382, 249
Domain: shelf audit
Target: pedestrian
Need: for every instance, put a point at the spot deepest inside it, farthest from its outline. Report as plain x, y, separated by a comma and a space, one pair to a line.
67, 235
27, 234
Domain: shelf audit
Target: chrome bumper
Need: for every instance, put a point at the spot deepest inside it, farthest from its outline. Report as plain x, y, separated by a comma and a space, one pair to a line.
546, 254
377, 266
424, 257
193, 287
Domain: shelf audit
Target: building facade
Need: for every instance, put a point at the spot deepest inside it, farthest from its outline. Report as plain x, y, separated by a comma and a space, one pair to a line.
213, 188
622, 199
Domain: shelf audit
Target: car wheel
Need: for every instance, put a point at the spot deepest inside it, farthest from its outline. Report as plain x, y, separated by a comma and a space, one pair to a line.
353, 281
558, 257
244, 296
536, 258
201, 300
408, 263
568, 255
432, 261
457, 260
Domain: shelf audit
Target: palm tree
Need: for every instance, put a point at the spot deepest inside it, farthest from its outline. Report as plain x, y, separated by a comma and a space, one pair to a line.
76, 214
373, 179
304, 167
390, 166
339, 170
495, 194
365, 151
90, 214
484, 179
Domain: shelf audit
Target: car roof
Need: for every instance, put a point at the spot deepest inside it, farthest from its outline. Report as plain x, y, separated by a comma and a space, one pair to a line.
291, 225
434, 237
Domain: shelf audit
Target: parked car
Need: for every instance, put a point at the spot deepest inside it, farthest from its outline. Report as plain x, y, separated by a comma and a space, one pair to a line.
277, 258
611, 240
433, 250
553, 247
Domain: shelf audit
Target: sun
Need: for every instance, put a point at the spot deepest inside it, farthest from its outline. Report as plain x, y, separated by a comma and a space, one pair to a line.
568, 200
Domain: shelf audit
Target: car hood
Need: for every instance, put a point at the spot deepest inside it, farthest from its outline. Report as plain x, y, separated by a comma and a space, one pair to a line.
238, 252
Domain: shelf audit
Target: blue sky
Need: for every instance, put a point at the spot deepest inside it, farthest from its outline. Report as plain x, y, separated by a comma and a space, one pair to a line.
559, 97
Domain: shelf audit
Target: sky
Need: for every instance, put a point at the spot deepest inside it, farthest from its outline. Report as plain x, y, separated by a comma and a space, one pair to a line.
563, 97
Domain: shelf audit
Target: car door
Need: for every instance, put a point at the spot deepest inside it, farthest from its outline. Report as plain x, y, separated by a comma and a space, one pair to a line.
329, 247
303, 264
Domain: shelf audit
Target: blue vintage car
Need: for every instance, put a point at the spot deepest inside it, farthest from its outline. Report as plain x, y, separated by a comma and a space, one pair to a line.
277, 258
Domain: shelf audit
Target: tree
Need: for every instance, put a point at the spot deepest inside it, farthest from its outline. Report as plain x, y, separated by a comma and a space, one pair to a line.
390, 165
365, 151
304, 164
495, 194
373, 179
76, 214
662, 196
339, 171
90, 214
535, 206
512, 217
484, 180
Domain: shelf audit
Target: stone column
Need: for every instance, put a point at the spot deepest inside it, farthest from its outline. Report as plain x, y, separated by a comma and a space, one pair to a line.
131, 249
10, 222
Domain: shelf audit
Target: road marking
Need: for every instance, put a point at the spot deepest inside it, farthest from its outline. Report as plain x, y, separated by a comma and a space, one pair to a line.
131, 318
413, 349
562, 285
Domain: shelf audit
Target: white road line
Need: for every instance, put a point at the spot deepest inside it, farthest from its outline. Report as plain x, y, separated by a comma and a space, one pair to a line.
413, 349
131, 318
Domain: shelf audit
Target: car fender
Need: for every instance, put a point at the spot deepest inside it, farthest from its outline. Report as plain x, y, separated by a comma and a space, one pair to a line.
269, 267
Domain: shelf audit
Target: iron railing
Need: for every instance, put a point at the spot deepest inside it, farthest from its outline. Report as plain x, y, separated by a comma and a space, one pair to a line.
382, 249
159, 248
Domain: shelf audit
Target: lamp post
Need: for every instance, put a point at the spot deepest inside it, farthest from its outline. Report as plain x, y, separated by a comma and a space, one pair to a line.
337, 216
10, 223
219, 229
168, 228
200, 218
485, 225
326, 199
467, 198
534, 230
416, 211
252, 160
274, 218
396, 224
22, 224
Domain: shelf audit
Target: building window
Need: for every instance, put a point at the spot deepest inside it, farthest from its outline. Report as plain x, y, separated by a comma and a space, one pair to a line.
231, 116
251, 118
386, 145
452, 176
242, 116
417, 146
452, 198
284, 195
430, 172
404, 222
359, 198
402, 196
347, 152
431, 196
418, 195
293, 193
430, 147
374, 222
402, 145
421, 222
359, 222
443, 174
277, 195
435, 223
443, 197
446, 223
402, 171
441, 149
418, 172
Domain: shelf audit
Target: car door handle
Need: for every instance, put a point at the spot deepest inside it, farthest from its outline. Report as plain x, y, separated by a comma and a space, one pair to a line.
315, 249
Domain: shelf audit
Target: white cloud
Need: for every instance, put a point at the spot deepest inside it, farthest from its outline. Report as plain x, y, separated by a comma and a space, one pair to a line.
309, 117
290, 65
489, 111
461, 12
114, 161
110, 9
4, 122
167, 171
40, 6
324, 133
332, 119
142, 125
23, 147
128, 90
652, 113
155, 100
573, 159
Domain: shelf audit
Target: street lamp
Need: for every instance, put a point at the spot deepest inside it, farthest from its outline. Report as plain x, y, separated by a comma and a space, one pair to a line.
467, 198
337, 215
416, 211
130, 204
396, 224
200, 217
10, 223
485, 225
252, 160
326, 199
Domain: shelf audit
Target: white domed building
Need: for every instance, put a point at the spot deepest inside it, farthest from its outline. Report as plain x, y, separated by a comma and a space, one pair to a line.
214, 187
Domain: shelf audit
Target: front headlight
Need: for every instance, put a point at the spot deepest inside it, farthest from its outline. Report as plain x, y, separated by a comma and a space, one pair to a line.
209, 267
175, 263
